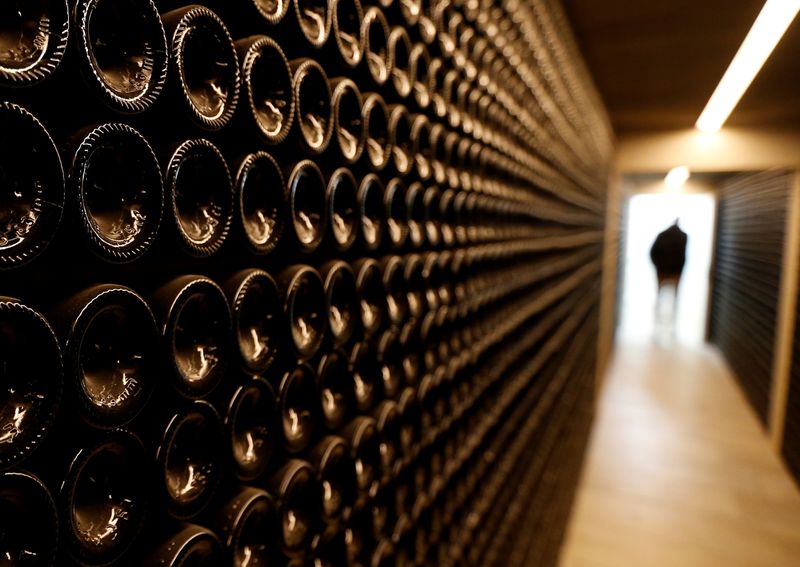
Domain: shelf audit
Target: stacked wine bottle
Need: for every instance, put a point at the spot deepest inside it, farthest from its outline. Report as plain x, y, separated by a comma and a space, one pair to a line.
294, 282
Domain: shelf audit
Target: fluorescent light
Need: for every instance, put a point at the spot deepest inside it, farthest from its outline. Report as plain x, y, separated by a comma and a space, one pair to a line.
676, 177
769, 27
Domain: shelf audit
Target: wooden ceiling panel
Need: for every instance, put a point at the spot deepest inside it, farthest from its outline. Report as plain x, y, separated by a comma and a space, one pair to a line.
656, 62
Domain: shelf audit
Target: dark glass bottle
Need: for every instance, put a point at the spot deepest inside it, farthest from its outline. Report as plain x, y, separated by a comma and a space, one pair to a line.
399, 56
346, 18
394, 285
247, 523
266, 95
261, 196
35, 39
400, 139
33, 186
387, 422
252, 423
296, 492
116, 181
205, 67
432, 199
306, 188
110, 342
336, 389
365, 376
375, 115
390, 358
372, 214
375, 35
298, 405
32, 380
314, 20
257, 315
195, 324
200, 192
348, 126
419, 61
361, 435
190, 545
123, 51
341, 196
336, 475
28, 520
394, 201
104, 498
415, 206
304, 308
190, 459
312, 95
420, 145
371, 295
342, 300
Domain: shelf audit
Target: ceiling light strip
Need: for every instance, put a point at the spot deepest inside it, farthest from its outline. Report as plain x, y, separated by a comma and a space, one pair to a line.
769, 27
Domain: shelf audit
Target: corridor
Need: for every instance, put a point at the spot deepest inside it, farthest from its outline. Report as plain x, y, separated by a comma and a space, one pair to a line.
679, 472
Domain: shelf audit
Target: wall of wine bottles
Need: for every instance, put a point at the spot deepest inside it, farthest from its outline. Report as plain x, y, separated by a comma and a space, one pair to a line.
747, 278
301, 282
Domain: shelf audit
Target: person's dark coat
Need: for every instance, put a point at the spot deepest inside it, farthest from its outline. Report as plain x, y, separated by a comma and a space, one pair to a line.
669, 252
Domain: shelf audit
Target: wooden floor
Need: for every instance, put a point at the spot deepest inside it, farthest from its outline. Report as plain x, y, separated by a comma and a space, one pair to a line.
679, 472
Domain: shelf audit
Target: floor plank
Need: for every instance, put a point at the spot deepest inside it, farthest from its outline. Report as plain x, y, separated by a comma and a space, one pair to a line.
680, 473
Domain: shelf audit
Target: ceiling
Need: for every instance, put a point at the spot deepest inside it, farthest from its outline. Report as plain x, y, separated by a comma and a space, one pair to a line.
656, 62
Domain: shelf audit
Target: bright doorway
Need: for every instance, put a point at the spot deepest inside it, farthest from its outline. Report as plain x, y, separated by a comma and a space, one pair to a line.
647, 215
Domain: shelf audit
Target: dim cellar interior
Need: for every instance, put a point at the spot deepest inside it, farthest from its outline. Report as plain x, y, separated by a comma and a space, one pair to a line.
322, 283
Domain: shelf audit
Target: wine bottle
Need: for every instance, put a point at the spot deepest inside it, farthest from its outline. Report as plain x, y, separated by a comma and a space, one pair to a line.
390, 356
371, 295
298, 403
191, 545
438, 136
252, 424
37, 35
341, 196
29, 522
400, 60
362, 439
261, 196
371, 209
247, 523
415, 205
266, 98
336, 389
296, 492
313, 19
342, 300
33, 178
329, 549
420, 146
190, 459
387, 423
365, 374
400, 139
336, 476
348, 126
395, 288
200, 192
394, 202
358, 536
32, 380
110, 343
436, 73
104, 498
433, 233
195, 324
304, 307
415, 286
409, 424
312, 94
419, 62
306, 188
346, 18
122, 51
257, 315
375, 35
205, 67
375, 115
117, 186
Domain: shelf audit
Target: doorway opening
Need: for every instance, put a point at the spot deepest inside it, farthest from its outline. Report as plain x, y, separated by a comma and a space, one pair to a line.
646, 215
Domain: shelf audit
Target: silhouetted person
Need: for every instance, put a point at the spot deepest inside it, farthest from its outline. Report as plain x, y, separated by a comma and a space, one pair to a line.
668, 254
